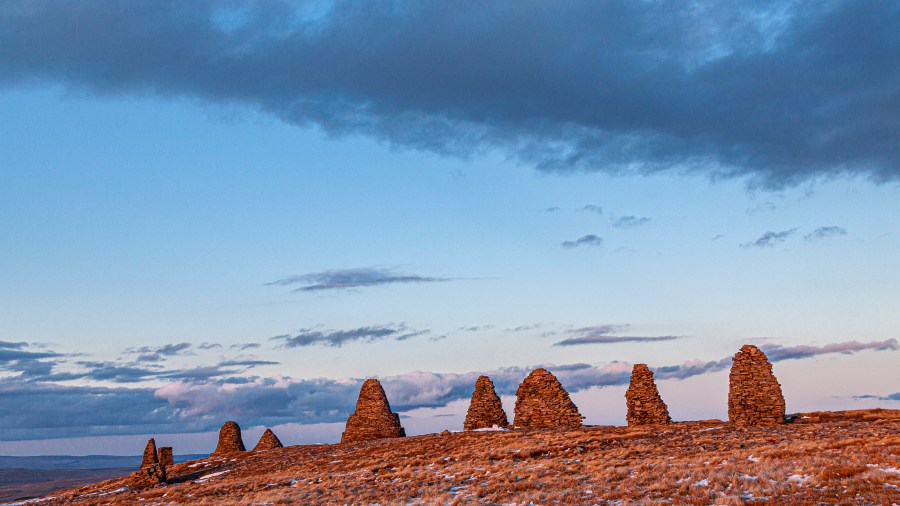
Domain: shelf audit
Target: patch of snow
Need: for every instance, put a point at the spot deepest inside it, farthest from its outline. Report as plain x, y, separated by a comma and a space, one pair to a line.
491, 429
747, 477
702, 483
710, 428
799, 479
753, 459
211, 475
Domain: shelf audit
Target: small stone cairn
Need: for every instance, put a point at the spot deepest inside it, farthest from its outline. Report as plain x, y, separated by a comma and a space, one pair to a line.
645, 406
268, 441
165, 456
229, 440
373, 418
542, 402
151, 472
754, 394
485, 410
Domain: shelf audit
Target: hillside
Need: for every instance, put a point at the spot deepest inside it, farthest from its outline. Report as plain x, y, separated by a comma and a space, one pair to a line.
831, 457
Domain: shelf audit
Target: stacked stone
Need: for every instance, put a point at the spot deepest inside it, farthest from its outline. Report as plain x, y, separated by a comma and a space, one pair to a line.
151, 472
149, 458
754, 394
485, 410
229, 440
165, 456
645, 406
373, 418
542, 402
268, 441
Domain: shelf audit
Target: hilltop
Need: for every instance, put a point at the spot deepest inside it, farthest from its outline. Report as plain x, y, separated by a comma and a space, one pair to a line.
826, 457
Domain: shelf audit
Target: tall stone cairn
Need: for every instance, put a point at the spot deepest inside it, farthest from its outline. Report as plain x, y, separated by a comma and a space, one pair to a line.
151, 472
542, 402
645, 406
229, 440
485, 410
373, 418
754, 395
268, 441
165, 456
150, 458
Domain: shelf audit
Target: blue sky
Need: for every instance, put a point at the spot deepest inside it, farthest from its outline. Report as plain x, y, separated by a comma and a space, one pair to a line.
218, 212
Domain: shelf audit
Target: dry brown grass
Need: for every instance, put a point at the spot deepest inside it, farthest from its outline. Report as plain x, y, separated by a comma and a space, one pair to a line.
832, 458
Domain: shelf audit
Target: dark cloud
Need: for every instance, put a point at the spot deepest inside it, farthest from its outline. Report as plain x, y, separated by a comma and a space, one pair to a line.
351, 278
891, 397
338, 338
585, 240
476, 328
158, 353
825, 233
245, 346
782, 92
769, 239
603, 334
208, 346
777, 352
630, 221
592, 208
551, 209
12, 346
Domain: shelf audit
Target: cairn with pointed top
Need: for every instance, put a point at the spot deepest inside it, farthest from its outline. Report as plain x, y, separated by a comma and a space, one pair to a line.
485, 410
754, 394
268, 441
149, 458
151, 472
542, 402
373, 418
645, 406
229, 440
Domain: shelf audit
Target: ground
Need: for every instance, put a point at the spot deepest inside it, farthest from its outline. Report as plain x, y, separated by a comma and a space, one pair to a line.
849, 457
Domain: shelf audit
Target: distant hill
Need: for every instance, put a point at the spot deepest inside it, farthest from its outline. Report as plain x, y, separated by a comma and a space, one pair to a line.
81, 461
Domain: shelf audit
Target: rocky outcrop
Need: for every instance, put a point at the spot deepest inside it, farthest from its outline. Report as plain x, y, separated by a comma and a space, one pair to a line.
645, 406
754, 395
166, 459
373, 418
268, 441
151, 472
485, 410
542, 402
229, 440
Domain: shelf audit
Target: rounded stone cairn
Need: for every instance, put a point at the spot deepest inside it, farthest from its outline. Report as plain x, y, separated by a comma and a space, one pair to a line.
485, 410
754, 394
542, 403
645, 406
268, 441
229, 440
373, 418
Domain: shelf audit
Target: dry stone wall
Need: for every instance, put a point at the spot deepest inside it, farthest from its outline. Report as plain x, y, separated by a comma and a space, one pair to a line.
485, 410
229, 440
754, 394
373, 418
542, 402
268, 441
645, 406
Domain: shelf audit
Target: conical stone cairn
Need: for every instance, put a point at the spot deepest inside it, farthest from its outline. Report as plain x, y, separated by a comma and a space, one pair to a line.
149, 458
165, 456
485, 410
645, 406
151, 472
268, 441
373, 418
542, 402
229, 440
754, 394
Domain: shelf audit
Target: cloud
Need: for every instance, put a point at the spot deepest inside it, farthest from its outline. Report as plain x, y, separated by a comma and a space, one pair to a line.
551, 209
585, 240
157, 353
338, 338
12, 346
630, 221
592, 208
777, 352
781, 92
351, 278
825, 233
208, 346
601, 334
891, 397
245, 346
476, 328
769, 239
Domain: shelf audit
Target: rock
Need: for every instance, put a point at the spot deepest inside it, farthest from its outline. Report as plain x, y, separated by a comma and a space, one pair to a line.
485, 410
645, 406
165, 457
754, 395
542, 402
147, 477
268, 441
373, 418
150, 458
229, 440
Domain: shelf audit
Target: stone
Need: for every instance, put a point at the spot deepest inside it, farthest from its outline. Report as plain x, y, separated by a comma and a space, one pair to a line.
645, 406
150, 458
542, 402
373, 418
165, 457
485, 410
268, 441
229, 440
147, 477
754, 394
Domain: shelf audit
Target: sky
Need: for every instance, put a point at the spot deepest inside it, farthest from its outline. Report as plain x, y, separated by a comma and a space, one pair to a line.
219, 210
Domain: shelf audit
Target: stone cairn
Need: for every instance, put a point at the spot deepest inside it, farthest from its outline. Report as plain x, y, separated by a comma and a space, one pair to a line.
268, 441
754, 395
151, 472
485, 410
165, 456
373, 418
229, 440
542, 402
645, 406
